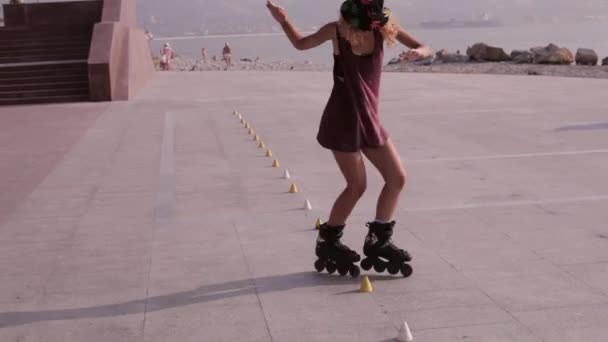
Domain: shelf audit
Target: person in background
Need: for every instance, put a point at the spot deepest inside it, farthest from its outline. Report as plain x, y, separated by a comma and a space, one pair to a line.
204, 55
227, 55
166, 55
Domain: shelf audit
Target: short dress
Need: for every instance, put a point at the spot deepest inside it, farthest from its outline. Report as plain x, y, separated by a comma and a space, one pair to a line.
351, 121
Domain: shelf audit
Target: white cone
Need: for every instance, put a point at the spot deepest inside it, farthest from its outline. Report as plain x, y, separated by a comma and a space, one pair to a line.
286, 175
405, 335
307, 205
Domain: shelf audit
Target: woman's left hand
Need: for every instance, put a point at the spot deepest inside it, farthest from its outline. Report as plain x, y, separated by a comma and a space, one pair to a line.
415, 55
277, 12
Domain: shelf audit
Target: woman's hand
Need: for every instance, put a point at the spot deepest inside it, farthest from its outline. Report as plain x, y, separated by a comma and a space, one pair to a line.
418, 54
277, 12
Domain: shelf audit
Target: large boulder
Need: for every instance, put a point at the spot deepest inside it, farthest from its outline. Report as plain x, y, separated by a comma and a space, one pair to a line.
586, 57
453, 58
552, 54
481, 52
522, 57
605, 61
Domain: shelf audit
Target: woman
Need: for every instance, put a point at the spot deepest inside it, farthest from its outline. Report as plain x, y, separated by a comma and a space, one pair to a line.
227, 55
350, 128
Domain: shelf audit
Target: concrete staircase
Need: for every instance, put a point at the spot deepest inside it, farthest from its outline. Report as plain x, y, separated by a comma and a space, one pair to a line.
43, 66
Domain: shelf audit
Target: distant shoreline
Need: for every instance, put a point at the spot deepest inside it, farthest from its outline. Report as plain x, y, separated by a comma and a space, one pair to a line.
186, 64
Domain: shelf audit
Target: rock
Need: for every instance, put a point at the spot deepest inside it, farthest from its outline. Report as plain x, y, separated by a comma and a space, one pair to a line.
605, 61
552, 54
522, 57
453, 58
481, 52
586, 57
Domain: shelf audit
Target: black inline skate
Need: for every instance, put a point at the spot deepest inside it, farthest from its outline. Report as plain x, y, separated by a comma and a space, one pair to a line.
382, 254
333, 254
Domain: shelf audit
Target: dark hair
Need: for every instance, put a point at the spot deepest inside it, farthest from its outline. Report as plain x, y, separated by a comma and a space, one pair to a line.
365, 15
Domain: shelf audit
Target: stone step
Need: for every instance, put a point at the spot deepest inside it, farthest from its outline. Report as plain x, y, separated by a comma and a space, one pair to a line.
44, 99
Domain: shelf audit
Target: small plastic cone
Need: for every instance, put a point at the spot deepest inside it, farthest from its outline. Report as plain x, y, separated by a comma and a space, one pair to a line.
307, 205
405, 335
247, 125
269, 153
242, 120
250, 132
366, 286
275, 163
286, 174
235, 112
293, 189
262, 145
318, 223
256, 138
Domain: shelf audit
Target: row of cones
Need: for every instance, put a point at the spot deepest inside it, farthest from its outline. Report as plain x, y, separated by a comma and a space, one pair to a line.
293, 189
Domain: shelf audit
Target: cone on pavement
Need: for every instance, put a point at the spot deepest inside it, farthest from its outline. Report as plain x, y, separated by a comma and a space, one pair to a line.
275, 163
286, 174
235, 112
250, 132
307, 205
293, 189
268, 153
318, 223
247, 125
256, 138
366, 286
405, 335
262, 145
242, 120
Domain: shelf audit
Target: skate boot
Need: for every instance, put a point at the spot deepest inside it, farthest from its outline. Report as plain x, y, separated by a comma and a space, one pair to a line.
333, 255
382, 254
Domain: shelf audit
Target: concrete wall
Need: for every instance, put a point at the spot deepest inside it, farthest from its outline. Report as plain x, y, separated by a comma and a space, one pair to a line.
67, 15
120, 62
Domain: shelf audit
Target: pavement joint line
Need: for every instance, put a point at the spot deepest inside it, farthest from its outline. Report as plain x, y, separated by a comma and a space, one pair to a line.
509, 156
165, 204
513, 203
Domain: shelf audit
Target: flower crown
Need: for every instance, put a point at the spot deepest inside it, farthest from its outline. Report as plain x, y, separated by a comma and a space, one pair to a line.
365, 15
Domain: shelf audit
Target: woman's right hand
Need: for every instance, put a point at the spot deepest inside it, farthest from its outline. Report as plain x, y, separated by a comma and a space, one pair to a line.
277, 12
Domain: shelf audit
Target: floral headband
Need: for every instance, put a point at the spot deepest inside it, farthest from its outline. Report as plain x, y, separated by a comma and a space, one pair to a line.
365, 15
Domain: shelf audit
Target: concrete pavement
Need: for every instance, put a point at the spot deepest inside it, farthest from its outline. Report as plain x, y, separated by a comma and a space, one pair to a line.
160, 219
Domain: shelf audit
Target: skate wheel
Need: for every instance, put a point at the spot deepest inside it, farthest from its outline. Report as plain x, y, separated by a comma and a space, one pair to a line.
393, 269
406, 270
320, 265
331, 267
379, 267
366, 264
355, 271
343, 270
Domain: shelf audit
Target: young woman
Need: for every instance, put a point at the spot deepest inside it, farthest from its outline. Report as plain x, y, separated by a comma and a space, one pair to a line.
351, 128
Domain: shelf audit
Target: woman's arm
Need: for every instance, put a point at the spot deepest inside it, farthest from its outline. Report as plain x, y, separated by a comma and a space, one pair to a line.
418, 50
298, 41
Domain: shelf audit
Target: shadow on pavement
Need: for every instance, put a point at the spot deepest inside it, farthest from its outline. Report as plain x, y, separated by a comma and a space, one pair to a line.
203, 294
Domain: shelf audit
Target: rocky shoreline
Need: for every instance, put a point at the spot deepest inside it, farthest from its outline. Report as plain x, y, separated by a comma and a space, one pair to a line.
479, 59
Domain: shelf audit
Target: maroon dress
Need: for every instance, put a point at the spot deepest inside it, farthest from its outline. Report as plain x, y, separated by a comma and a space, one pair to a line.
350, 121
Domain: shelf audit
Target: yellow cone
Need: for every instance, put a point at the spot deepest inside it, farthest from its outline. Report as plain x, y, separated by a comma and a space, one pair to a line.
235, 112
256, 138
293, 189
247, 125
262, 145
366, 286
318, 223
242, 120
250, 132
269, 153
275, 163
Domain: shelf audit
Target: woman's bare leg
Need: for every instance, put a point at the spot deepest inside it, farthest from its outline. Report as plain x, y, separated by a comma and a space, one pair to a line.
386, 159
353, 169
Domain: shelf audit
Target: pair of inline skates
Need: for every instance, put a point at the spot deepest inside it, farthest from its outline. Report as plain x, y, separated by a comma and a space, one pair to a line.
380, 252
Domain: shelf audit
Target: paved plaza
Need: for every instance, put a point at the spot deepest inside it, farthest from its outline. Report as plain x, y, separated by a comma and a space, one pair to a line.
160, 219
